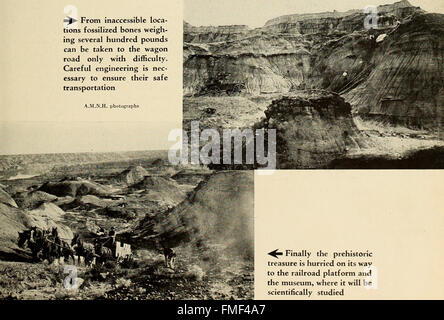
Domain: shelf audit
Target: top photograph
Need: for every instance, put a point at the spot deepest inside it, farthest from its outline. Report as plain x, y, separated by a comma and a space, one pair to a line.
316, 87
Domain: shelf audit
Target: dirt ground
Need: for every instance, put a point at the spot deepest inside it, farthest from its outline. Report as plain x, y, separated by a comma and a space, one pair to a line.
204, 276
213, 270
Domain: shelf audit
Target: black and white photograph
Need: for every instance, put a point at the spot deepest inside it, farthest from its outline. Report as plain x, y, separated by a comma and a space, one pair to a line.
220, 158
122, 226
355, 89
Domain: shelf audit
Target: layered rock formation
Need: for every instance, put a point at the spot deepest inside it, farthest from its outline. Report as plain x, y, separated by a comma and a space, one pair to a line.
349, 21
406, 84
392, 73
257, 64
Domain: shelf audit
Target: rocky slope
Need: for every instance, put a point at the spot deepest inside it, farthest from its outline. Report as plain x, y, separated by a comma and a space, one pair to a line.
14, 220
392, 73
219, 266
311, 130
406, 84
203, 218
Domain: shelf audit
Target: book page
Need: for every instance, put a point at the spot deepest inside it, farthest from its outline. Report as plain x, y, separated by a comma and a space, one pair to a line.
225, 155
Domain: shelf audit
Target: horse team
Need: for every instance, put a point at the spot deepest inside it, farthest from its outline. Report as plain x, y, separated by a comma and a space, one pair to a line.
48, 245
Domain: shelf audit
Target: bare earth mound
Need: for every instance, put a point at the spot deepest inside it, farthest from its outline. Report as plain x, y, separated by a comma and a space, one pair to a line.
161, 189
75, 188
311, 130
132, 175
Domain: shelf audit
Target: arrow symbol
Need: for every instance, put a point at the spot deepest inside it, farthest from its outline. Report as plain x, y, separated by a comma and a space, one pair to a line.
69, 20
275, 253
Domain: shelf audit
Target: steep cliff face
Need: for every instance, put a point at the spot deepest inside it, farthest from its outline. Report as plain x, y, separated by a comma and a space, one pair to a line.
279, 57
341, 63
392, 73
406, 83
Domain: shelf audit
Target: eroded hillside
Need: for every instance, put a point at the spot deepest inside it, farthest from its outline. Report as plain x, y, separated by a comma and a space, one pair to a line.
390, 75
205, 217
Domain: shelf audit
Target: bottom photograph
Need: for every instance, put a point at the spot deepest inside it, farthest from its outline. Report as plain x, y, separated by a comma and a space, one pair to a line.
136, 229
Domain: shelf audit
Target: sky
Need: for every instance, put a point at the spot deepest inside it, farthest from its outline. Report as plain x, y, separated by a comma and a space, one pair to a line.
255, 13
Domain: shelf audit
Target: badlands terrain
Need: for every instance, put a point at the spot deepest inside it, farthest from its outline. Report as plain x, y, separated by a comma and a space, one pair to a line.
206, 217
339, 95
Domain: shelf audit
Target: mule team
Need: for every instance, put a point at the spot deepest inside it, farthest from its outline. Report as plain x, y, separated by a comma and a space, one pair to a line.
48, 245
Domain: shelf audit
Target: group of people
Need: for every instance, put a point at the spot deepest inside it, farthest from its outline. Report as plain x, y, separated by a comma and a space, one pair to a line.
111, 234
45, 244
